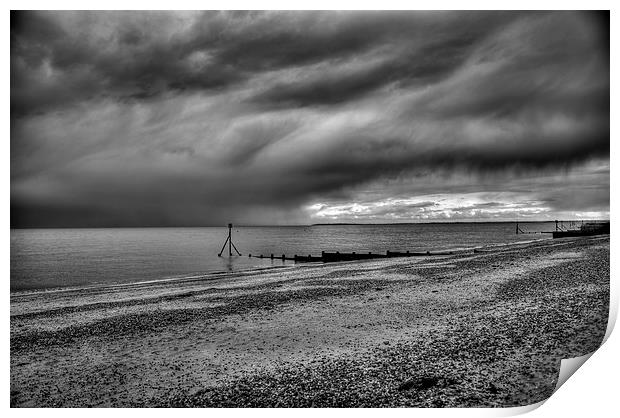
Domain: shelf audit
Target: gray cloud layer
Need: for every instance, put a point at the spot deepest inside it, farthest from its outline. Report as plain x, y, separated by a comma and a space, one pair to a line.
158, 118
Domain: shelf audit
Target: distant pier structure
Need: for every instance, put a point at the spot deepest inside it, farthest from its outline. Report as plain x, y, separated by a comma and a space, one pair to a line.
586, 229
229, 242
573, 229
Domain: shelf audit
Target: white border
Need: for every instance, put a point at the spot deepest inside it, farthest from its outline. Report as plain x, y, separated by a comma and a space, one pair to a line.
591, 392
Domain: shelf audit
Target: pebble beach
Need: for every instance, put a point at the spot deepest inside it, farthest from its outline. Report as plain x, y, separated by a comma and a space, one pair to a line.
484, 328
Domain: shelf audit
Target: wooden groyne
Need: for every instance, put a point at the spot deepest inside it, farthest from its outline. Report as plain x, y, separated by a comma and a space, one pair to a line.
331, 257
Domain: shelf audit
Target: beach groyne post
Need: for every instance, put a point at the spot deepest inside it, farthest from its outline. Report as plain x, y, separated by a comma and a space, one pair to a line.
519, 230
229, 242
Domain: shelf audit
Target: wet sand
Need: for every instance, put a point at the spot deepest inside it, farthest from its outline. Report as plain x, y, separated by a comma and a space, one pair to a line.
470, 329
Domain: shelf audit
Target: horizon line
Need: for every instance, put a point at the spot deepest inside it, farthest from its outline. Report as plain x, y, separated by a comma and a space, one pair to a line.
309, 225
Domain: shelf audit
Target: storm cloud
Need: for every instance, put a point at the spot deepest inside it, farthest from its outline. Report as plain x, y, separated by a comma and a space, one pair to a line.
200, 118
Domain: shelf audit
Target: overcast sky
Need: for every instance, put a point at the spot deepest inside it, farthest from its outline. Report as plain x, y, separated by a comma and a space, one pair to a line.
174, 119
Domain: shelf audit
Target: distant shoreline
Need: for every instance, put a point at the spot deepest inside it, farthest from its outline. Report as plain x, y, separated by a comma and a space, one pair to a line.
460, 222
308, 225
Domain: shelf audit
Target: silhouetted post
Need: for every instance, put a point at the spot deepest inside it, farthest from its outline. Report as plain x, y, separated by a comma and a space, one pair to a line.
230, 243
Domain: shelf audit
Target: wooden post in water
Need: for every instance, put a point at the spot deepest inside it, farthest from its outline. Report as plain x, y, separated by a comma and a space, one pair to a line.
230, 243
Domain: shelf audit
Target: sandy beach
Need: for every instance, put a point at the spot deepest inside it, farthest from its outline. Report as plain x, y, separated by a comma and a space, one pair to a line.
485, 328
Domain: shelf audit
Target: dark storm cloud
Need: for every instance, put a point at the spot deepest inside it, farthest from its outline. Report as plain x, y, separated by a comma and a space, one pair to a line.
158, 118
53, 65
423, 66
139, 55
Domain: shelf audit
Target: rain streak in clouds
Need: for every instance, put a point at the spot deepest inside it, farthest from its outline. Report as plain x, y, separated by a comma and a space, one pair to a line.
159, 118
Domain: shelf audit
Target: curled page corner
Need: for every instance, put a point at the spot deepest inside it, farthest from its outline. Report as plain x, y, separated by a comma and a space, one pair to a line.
518, 410
613, 313
568, 367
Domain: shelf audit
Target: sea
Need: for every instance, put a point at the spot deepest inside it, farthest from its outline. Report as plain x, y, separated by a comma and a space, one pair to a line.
44, 259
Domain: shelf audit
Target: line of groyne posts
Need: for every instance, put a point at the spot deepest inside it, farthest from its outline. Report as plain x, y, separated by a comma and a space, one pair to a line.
328, 257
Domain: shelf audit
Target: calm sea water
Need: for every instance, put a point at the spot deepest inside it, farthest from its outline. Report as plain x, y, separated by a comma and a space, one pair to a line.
52, 258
